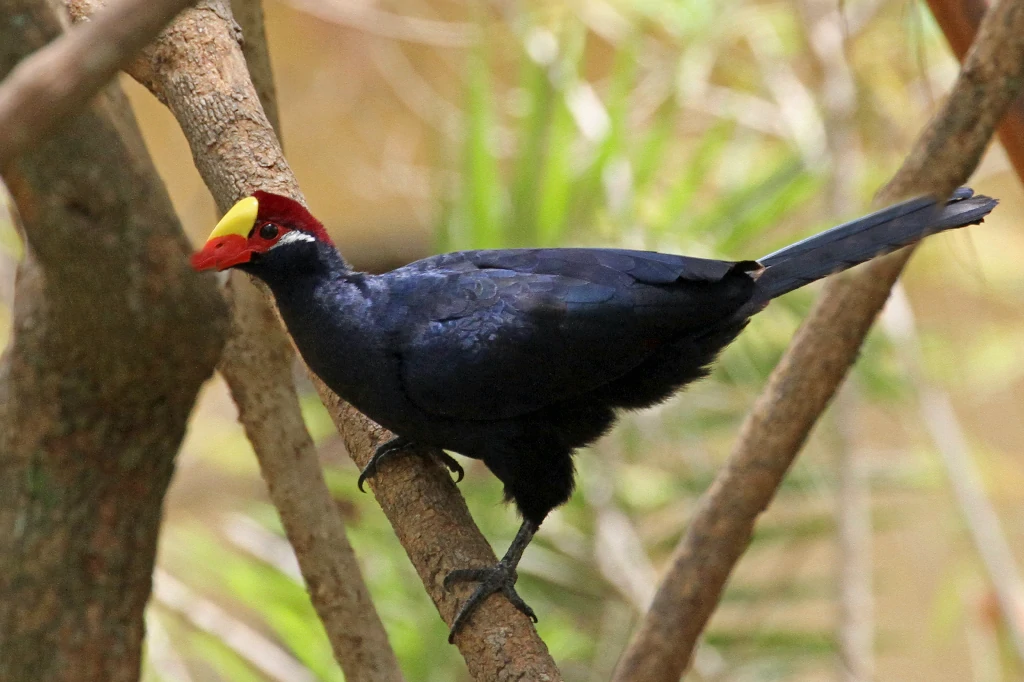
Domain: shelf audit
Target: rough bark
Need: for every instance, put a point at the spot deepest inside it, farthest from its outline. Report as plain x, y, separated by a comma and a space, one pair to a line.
197, 69
113, 336
249, 15
816, 362
959, 21
60, 79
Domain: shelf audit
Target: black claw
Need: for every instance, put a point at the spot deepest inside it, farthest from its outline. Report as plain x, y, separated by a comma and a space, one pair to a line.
396, 446
369, 472
518, 602
383, 451
452, 465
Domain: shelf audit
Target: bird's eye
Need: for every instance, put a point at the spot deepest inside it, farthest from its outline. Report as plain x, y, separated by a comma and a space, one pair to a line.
268, 231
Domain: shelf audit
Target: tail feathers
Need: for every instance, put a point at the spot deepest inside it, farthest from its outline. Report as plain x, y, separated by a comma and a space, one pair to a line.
861, 240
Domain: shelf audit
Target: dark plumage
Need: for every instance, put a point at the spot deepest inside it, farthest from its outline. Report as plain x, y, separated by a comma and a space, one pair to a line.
519, 357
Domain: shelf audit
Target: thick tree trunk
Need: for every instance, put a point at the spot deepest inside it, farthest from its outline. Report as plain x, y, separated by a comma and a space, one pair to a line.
113, 337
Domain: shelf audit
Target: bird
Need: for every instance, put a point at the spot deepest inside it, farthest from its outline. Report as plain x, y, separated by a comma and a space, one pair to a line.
519, 357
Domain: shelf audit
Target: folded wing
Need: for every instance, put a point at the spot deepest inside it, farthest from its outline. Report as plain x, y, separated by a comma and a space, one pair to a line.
498, 334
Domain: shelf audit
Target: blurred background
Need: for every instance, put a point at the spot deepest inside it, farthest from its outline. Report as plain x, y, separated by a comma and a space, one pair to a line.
723, 129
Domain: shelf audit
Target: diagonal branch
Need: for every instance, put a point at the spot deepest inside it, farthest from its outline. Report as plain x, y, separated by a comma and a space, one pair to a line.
819, 357
61, 77
257, 359
249, 15
257, 365
959, 20
203, 81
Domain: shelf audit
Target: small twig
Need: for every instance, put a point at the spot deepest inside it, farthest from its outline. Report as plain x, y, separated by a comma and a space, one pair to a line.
61, 77
250, 645
816, 362
949, 439
796, 105
160, 653
367, 18
750, 111
618, 547
415, 92
252, 538
622, 559
855, 629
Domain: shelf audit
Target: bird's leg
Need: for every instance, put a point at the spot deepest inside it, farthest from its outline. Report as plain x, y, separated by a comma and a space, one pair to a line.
498, 578
396, 446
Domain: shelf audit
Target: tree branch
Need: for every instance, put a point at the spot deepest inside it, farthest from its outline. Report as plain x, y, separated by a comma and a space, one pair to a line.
816, 362
61, 77
114, 335
236, 152
257, 364
959, 21
249, 15
257, 359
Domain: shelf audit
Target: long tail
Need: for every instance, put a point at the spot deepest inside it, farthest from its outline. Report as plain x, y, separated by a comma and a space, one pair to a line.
861, 240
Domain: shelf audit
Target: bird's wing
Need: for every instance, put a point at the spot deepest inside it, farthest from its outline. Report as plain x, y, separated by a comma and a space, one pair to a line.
491, 335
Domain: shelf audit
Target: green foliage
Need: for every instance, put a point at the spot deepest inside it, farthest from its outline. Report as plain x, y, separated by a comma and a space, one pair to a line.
483, 196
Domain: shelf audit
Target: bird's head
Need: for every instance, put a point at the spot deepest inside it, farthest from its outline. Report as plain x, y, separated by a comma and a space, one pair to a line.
259, 230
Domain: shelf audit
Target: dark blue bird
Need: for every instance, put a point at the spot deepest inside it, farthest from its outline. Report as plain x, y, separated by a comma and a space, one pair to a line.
519, 357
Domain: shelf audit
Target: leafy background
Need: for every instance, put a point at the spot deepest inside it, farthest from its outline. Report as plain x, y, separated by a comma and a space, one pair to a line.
721, 129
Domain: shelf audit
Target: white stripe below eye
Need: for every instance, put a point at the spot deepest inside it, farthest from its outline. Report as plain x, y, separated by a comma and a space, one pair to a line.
292, 237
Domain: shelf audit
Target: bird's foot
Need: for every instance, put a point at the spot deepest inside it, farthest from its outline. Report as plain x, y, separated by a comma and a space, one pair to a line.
498, 578
397, 446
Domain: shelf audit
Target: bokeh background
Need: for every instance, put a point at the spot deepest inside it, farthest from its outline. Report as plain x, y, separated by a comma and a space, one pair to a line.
723, 129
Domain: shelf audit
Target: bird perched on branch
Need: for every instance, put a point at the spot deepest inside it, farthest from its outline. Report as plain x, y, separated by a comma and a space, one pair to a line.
518, 357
